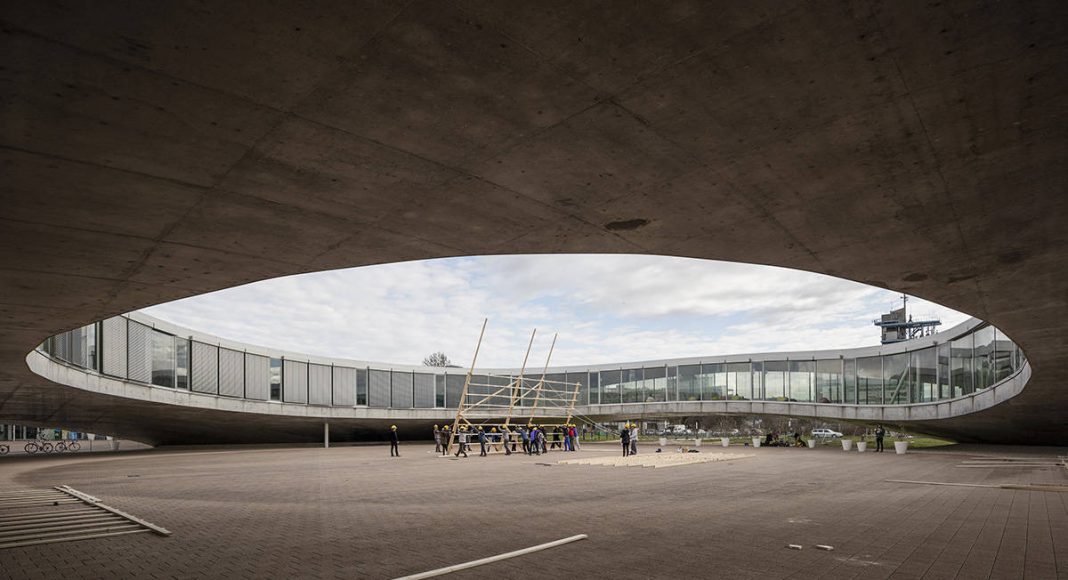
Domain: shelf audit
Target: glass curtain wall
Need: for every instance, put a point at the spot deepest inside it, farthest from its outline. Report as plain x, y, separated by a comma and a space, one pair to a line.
633, 386
849, 367
924, 376
611, 387
775, 380
960, 366
829, 381
983, 356
595, 388
944, 389
655, 384
739, 381
870, 380
1004, 357
802, 380
181, 362
896, 378
689, 388
162, 346
275, 379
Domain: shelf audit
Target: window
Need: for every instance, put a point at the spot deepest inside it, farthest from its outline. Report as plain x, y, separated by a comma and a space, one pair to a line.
960, 366
611, 389
924, 376
181, 362
850, 380
870, 380
829, 381
162, 358
984, 357
361, 387
1004, 357
632, 386
275, 378
655, 384
775, 380
896, 378
802, 380
739, 381
689, 390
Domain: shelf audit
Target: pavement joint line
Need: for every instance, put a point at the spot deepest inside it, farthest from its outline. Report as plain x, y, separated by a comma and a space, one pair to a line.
1010, 486
491, 559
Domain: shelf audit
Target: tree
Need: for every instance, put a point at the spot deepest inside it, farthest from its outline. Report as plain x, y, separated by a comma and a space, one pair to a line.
437, 359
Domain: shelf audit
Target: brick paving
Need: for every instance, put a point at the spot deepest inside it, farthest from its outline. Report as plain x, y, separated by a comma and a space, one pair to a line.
352, 512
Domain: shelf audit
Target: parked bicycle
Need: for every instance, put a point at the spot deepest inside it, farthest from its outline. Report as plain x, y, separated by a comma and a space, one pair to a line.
39, 444
4, 449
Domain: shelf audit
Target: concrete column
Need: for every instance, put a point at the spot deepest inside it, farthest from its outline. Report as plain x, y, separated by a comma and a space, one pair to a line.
326, 435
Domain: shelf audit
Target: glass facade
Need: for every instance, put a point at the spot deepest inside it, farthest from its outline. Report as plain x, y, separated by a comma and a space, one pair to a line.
274, 375
971, 362
162, 359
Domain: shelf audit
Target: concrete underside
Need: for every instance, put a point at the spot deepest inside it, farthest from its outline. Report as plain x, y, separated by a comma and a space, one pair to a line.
157, 151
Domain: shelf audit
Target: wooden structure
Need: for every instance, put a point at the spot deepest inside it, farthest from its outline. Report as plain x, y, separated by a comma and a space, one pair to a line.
504, 401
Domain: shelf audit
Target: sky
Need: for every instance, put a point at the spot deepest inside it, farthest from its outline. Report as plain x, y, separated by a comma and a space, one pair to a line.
604, 308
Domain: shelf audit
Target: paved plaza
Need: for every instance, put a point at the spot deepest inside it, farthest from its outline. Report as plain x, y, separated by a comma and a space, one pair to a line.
353, 512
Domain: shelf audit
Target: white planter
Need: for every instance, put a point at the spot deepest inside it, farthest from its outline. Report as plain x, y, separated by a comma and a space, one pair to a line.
862, 446
725, 441
756, 441
697, 442
114, 444
811, 443
663, 441
847, 444
901, 447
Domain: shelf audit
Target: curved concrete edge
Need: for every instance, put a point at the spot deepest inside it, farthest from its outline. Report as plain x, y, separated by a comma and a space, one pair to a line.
304, 422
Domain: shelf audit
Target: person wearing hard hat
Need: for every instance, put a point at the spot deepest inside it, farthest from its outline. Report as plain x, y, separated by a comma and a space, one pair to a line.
506, 436
495, 439
461, 440
633, 438
481, 441
624, 438
446, 436
437, 439
394, 442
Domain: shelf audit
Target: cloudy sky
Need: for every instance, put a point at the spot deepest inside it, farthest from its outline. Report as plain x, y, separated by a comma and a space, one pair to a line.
606, 308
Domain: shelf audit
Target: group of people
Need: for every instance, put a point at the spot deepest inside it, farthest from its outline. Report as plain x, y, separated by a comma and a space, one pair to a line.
628, 436
534, 439
777, 440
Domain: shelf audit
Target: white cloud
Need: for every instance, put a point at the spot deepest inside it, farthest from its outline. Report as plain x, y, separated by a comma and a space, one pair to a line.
606, 308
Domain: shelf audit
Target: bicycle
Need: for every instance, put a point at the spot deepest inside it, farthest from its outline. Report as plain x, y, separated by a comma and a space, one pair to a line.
74, 446
60, 447
38, 444
4, 449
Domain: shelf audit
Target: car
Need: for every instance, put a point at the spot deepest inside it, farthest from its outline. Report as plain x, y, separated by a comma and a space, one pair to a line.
826, 433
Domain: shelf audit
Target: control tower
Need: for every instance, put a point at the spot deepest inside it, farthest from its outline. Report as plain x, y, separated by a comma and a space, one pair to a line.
898, 325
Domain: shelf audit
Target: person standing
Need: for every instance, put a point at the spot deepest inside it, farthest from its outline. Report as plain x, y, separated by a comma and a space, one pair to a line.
524, 434
634, 439
481, 442
495, 439
394, 442
567, 437
575, 437
446, 436
437, 439
624, 438
506, 435
543, 439
879, 434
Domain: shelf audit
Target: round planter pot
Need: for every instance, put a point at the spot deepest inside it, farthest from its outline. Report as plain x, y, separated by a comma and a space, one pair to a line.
901, 447
697, 442
811, 443
725, 441
663, 441
862, 446
756, 441
847, 444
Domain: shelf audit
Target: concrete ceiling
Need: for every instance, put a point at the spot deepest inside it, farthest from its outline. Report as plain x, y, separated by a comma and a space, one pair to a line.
153, 151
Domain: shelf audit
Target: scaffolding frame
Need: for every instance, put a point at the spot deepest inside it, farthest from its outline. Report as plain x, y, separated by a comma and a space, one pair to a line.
499, 404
